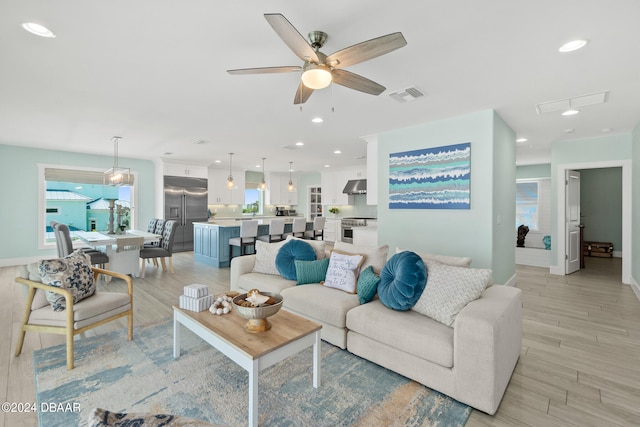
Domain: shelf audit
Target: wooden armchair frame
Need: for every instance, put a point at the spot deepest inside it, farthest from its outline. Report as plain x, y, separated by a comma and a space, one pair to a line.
69, 329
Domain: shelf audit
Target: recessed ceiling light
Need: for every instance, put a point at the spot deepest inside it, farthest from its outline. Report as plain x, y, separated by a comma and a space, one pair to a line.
199, 141
258, 166
38, 30
521, 140
337, 152
217, 161
167, 153
572, 45
568, 130
300, 144
317, 120
570, 112
605, 130
327, 166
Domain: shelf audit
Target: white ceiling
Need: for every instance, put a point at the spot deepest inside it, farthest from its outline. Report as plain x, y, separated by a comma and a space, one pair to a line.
154, 72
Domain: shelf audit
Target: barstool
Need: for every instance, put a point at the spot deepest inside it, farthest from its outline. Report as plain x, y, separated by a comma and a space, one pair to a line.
276, 231
318, 229
248, 235
298, 227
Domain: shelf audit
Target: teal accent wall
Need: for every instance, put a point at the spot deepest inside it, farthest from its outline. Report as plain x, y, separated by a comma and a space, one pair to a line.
533, 171
601, 205
591, 150
471, 232
635, 205
19, 193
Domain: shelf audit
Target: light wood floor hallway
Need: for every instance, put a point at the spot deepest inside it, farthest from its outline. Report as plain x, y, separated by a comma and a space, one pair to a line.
579, 366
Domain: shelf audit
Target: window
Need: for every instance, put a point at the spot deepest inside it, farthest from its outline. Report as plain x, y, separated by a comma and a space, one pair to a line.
527, 204
77, 197
254, 201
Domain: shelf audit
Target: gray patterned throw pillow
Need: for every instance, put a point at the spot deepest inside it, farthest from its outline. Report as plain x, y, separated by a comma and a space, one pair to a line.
449, 289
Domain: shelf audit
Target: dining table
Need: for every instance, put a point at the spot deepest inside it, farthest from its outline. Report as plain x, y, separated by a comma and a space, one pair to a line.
123, 249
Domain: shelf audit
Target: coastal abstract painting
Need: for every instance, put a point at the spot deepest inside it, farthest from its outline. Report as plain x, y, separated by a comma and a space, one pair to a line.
431, 178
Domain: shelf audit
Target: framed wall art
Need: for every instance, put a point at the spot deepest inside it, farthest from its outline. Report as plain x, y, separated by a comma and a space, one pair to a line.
431, 178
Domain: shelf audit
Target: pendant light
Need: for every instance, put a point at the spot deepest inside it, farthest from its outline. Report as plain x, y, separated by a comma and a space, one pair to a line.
117, 176
230, 177
263, 183
290, 187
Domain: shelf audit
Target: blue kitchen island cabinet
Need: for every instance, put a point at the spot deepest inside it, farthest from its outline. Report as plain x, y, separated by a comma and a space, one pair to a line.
211, 239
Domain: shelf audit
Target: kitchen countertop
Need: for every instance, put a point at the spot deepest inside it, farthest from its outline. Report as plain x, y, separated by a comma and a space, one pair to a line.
237, 221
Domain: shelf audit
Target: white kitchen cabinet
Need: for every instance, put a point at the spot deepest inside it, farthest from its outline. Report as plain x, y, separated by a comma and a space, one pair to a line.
181, 169
332, 230
332, 185
278, 190
219, 193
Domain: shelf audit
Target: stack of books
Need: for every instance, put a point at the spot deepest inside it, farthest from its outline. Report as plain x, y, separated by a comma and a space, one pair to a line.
196, 298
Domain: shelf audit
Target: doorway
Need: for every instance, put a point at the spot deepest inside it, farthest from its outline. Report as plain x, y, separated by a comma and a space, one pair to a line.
561, 227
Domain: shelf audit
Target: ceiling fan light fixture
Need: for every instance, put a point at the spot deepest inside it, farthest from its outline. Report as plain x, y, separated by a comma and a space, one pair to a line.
316, 76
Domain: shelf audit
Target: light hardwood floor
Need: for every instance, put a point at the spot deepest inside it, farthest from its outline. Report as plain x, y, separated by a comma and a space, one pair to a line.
579, 366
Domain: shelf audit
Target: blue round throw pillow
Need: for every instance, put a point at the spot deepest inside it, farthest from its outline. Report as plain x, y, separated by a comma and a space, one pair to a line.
402, 281
290, 252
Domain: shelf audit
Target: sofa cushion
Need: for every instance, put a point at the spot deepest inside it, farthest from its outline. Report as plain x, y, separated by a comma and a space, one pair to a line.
407, 331
73, 273
327, 305
266, 257
264, 282
367, 285
311, 271
289, 252
375, 256
317, 245
343, 271
444, 259
402, 281
449, 289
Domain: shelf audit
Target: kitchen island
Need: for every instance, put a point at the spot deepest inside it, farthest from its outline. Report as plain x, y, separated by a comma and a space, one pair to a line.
211, 239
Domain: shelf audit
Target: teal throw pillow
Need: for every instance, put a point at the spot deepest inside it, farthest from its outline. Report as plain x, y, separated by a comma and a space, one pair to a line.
367, 285
402, 281
291, 251
311, 271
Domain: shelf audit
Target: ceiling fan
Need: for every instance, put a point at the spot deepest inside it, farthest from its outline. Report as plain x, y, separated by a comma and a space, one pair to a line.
319, 70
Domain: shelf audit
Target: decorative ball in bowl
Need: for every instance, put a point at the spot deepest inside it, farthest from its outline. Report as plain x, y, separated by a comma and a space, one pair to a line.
257, 314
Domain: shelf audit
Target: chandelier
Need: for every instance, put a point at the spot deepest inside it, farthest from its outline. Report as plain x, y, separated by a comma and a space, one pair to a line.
117, 176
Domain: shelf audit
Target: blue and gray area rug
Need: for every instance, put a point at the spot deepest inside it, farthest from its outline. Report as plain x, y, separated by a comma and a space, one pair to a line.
143, 376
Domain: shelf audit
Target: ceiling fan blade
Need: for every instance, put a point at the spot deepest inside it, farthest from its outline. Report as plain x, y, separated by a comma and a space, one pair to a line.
291, 37
366, 50
302, 94
266, 70
355, 81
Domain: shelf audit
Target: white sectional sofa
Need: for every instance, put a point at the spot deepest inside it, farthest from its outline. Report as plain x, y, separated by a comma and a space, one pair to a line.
471, 361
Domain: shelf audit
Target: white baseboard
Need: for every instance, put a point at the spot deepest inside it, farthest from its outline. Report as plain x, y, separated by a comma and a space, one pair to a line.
511, 281
635, 288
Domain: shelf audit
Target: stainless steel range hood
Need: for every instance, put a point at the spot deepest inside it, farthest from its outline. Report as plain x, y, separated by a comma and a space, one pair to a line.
355, 186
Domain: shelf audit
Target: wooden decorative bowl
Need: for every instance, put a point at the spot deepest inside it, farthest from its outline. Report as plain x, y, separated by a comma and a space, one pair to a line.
258, 315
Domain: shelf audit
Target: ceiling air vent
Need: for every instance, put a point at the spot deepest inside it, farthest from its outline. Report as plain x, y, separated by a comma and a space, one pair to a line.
406, 95
576, 102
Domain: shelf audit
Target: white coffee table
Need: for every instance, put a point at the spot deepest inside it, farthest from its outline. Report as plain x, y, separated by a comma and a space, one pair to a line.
289, 334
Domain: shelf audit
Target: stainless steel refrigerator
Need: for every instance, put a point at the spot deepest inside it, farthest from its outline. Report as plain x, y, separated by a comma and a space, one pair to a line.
185, 200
